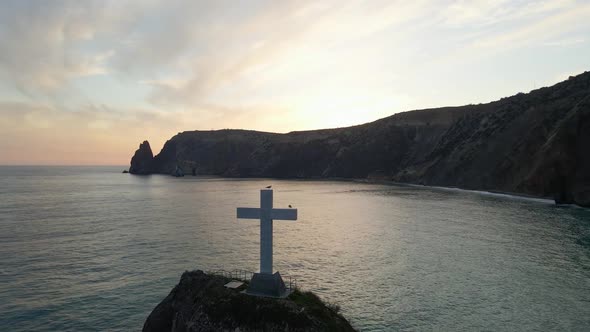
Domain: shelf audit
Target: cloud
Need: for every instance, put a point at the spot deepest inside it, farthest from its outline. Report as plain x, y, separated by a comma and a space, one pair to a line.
46, 44
481, 13
95, 134
189, 50
307, 42
271, 38
477, 32
555, 25
267, 65
566, 42
99, 134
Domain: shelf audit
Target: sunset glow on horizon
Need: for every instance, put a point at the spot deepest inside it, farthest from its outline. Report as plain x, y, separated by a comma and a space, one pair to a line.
83, 83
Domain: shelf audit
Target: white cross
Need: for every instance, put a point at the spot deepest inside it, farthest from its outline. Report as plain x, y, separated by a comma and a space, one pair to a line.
266, 214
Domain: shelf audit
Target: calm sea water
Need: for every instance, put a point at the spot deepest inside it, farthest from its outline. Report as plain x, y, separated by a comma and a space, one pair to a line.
89, 248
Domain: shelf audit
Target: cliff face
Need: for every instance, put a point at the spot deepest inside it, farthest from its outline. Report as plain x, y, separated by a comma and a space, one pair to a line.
200, 302
142, 161
535, 143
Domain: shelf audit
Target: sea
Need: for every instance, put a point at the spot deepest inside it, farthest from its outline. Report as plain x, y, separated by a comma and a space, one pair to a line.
92, 249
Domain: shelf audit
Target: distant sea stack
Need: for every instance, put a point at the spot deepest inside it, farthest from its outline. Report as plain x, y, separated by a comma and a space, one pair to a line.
142, 162
535, 144
200, 302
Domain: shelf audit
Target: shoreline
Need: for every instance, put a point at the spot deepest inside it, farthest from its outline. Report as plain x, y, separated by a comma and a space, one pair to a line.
494, 193
497, 193
510, 195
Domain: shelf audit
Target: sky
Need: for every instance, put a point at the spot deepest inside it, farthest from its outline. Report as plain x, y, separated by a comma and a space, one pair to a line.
84, 82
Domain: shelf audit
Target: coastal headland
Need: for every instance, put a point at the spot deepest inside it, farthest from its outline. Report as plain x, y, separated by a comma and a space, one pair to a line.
533, 144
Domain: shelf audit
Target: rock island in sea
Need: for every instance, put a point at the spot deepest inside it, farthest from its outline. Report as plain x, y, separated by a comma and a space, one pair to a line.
200, 302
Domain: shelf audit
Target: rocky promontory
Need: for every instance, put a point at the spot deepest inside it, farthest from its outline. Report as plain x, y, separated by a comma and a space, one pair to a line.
200, 302
534, 144
142, 162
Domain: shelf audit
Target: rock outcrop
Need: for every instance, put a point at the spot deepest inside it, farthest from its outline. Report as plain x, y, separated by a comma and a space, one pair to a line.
200, 302
142, 162
178, 172
535, 144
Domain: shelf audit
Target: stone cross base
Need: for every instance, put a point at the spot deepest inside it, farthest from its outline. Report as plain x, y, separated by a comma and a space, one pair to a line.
267, 285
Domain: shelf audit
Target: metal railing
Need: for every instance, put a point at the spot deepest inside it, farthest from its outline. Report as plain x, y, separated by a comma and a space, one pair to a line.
241, 275
246, 276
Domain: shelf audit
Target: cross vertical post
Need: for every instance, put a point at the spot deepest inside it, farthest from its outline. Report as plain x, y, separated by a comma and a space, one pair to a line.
266, 231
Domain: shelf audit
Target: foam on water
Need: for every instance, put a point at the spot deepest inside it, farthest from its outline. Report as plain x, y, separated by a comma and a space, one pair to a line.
489, 193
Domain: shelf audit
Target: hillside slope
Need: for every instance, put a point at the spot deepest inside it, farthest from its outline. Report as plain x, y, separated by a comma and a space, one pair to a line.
535, 143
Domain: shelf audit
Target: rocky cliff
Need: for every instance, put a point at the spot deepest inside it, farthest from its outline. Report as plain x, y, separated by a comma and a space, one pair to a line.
142, 162
200, 302
535, 143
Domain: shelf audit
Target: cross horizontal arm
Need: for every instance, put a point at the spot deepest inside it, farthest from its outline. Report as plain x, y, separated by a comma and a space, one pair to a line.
248, 213
283, 214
